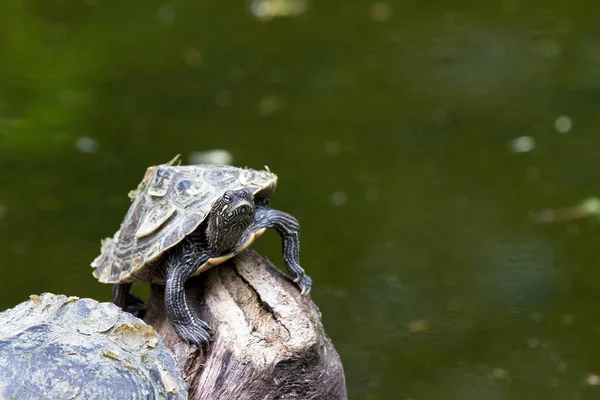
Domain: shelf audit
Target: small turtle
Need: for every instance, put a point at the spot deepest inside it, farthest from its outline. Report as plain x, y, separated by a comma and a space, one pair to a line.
184, 220
55, 347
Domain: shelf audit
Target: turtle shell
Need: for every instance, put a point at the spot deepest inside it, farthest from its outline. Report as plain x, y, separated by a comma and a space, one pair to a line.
59, 347
169, 204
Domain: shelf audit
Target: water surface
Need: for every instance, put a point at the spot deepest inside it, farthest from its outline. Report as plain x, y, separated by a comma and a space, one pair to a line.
412, 140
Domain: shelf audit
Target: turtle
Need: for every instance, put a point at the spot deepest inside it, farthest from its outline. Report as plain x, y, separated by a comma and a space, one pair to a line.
55, 347
185, 219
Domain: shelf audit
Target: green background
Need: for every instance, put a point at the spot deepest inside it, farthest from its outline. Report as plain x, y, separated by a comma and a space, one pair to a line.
390, 126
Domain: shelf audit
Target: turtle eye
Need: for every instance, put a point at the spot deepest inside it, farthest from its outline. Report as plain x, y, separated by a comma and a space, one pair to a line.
227, 198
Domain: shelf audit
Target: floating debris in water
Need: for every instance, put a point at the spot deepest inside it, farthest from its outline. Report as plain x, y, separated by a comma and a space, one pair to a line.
215, 157
551, 49
381, 12
223, 98
561, 366
522, 144
238, 75
535, 316
86, 144
339, 198
593, 380
20, 247
192, 57
371, 193
567, 319
499, 373
269, 105
332, 147
587, 208
420, 325
269, 9
563, 124
166, 14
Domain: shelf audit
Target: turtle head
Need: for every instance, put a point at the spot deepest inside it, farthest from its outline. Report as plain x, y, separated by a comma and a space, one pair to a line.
230, 216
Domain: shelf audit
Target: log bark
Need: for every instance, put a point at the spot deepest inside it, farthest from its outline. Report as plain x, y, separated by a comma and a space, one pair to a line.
269, 342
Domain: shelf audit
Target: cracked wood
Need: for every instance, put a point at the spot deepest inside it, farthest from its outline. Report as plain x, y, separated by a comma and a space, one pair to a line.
269, 342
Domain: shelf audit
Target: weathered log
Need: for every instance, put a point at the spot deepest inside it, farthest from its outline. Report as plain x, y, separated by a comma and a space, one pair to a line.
269, 342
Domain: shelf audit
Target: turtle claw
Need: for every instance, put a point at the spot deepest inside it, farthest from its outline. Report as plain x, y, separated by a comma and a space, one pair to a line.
300, 278
304, 283
198, 333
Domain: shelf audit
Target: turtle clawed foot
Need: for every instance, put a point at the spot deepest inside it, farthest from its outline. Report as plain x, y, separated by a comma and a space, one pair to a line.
197, 333
304, 283
300, 278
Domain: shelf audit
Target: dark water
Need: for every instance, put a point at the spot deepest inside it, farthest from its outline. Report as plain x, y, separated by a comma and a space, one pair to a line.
412, 140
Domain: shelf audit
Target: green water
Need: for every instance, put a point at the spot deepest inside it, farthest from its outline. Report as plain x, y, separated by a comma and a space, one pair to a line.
394, 129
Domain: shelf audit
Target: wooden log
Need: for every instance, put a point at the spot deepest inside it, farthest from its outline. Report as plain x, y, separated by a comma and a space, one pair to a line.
269, 342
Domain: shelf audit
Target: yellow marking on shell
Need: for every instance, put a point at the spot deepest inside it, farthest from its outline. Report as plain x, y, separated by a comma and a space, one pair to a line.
152, 251
35, 298
136, 261
229, 214
211, 262
149, 173
251, 240
219, 260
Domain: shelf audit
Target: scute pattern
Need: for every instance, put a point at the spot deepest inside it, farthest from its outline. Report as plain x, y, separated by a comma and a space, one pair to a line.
154, 218
171, 202
161, 182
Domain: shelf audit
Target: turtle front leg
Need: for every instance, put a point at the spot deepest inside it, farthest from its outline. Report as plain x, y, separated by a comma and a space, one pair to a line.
183, 261
127, 301
288, 229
